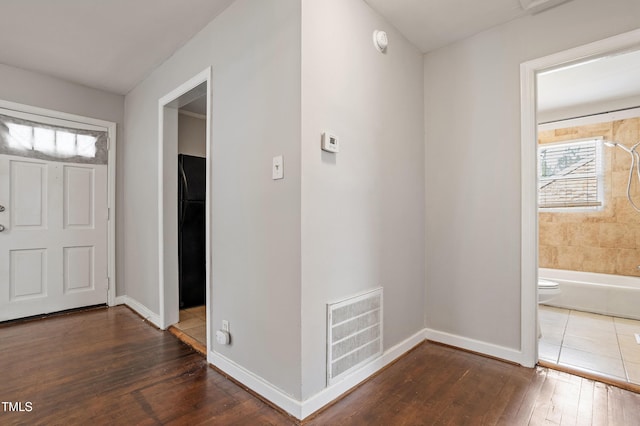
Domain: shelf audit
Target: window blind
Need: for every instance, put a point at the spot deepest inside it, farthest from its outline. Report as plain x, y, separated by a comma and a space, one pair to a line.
569, 174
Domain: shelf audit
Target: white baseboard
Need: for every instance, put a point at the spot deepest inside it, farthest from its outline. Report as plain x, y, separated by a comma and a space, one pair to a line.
331, 393
256, 384
302, 409
142, 310
473, 345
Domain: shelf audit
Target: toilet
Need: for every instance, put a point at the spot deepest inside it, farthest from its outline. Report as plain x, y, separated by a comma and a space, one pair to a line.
547, 290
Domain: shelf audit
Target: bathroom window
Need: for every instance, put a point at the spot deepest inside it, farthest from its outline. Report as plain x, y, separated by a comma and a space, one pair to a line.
570, 174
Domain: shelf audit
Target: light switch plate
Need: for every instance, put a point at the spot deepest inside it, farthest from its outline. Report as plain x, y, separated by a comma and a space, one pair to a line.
277, 170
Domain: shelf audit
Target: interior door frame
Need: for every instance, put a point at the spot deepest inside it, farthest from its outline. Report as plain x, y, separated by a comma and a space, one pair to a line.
168, 253
110, 127
529, 177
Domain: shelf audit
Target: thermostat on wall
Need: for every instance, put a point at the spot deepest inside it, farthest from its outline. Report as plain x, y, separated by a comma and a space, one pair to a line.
330, 142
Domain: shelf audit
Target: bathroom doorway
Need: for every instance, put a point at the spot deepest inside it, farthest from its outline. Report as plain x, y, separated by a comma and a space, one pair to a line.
586, 241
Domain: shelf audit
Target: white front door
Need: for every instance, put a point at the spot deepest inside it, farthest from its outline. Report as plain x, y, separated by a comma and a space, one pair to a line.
53, 244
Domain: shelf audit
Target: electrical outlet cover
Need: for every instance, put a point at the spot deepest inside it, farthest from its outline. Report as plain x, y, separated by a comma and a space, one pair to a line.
223, 337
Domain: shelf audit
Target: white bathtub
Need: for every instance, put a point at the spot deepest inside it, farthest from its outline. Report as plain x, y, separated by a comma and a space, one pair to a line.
614, 295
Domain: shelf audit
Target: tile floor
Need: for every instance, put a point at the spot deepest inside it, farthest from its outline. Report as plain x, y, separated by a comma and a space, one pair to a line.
193, 322
596, 343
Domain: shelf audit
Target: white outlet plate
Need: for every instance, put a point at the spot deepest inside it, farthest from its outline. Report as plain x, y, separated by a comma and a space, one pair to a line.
223, 337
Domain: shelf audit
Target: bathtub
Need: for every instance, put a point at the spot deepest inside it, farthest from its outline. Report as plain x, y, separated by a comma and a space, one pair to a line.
614, 295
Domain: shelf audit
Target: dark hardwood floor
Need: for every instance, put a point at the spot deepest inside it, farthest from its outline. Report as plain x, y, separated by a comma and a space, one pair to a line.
439, 385
108, 366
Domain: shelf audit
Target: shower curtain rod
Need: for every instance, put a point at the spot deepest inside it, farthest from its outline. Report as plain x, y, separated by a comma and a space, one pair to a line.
589, 115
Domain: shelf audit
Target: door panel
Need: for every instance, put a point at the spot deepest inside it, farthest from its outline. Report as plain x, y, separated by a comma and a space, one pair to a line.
78, 269
28, 274
28, 194
53, 251
79, 183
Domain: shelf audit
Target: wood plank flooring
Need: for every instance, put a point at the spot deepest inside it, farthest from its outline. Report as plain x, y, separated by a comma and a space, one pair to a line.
439, 385
109, 366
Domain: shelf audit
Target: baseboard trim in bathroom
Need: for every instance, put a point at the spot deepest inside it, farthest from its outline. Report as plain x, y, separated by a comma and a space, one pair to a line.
588, 374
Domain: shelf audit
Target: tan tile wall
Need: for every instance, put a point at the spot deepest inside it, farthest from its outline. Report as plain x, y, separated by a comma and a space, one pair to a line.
605, 241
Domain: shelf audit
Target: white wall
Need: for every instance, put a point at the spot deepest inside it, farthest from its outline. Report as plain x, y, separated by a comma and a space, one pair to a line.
363, 208
254, 50
472, 125
39, 90
192, 134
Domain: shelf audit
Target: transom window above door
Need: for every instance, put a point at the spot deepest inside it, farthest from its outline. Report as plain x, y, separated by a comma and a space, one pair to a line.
31, 139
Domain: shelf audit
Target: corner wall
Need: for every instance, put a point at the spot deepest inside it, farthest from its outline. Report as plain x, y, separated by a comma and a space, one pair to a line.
253, 48
472, 139
362, 208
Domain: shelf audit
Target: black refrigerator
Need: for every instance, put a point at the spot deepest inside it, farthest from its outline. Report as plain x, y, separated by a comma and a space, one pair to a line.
191, 232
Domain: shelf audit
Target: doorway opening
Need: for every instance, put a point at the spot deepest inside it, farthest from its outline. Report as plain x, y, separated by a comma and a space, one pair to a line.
576, 327
192, 153
57, 205
184, 210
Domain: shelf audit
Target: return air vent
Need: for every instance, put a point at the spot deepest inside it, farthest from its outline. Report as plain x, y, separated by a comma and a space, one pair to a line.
354, 328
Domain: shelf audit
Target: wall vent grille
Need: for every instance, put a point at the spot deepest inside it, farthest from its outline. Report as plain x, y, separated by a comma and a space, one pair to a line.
354, 328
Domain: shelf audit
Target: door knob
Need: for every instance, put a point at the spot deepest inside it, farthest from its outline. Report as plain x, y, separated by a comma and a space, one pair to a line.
1, 209
1, 228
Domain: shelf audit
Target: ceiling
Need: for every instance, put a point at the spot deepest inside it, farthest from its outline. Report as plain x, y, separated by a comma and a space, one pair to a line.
113, 44
601, 81
430, 24
107, 44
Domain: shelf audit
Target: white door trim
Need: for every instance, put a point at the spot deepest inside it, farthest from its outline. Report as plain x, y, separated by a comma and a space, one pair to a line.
529, 202
168, 297
110, 127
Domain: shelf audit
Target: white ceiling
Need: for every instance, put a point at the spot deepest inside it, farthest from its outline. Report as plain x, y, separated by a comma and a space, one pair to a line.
601, 81
114, 44
430, 24
106, 44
